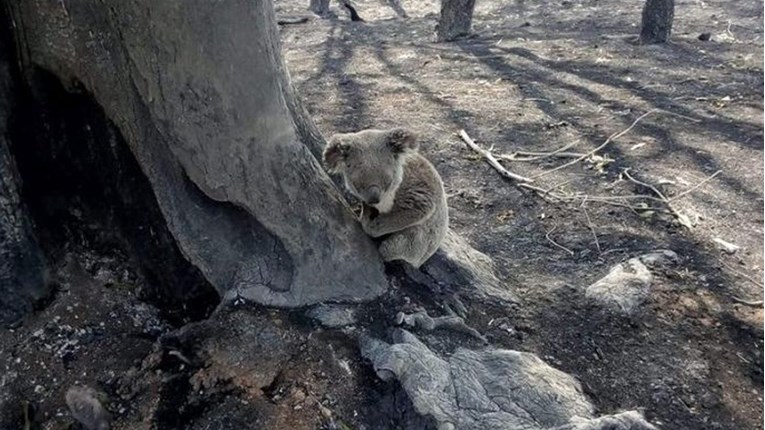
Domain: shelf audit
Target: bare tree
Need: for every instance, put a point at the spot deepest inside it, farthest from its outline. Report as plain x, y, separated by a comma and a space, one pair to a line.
656, 26
456, 19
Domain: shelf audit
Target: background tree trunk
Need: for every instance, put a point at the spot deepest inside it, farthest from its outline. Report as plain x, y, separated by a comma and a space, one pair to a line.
319, 7
201, 96
456, 18
656, 26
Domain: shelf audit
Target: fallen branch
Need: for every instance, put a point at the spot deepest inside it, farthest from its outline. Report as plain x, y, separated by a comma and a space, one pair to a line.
492, 160
621, 201
603, 145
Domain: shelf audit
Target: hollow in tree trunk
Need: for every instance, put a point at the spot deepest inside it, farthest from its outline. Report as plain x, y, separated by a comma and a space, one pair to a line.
657, 21
456, 19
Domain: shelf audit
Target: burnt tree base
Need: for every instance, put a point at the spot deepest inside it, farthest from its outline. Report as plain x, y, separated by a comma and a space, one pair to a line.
456, 19
656, 26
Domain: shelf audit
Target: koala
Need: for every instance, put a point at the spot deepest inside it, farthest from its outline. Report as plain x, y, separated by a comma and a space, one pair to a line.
402, 195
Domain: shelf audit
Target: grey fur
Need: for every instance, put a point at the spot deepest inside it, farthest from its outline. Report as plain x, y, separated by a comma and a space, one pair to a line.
402, 193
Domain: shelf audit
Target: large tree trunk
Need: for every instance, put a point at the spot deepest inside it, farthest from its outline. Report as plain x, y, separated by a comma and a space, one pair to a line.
657, 21
201, 95
456, 18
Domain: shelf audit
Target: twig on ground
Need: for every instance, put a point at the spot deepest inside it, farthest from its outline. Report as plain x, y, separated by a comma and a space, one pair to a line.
532, 156
603, 145
683, 219
550, 194
661, 195
292, 21
493, 162
180, 356
755, 303
537, 100
743, 275
695, 187
589, 224
547, 236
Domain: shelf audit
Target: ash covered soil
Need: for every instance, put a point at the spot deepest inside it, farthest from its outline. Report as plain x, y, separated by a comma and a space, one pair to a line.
534, 77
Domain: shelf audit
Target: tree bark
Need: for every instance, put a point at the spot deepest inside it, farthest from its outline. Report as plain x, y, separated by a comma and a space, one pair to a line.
656, 26
319, 7
202, 97
456, 19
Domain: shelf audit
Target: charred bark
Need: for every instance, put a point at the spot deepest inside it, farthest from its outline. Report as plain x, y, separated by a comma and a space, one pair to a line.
656, 26
456, 19
22, 268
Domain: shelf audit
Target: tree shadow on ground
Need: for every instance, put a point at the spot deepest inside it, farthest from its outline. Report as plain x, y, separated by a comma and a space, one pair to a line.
532, 82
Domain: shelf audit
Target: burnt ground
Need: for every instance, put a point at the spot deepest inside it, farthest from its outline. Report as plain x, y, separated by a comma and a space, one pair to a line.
537, 76
534, 77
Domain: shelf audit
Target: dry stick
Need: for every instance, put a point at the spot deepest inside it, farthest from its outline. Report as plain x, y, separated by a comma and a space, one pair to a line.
747, 302
547, 236
526, 156
603, 145
539, 155
491, 160
661, 195
695, 187
743, 275
592, 227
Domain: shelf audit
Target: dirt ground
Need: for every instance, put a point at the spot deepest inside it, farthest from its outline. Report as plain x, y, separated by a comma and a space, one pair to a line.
536, 76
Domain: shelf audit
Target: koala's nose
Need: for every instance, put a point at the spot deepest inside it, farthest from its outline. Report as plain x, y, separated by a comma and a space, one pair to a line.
373, 195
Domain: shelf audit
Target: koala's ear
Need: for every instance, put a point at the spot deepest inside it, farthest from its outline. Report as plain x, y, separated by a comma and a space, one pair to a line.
335, 153
401, 140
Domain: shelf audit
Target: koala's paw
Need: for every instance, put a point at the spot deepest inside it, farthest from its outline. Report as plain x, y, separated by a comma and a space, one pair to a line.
368, 226
367, 219
368, 212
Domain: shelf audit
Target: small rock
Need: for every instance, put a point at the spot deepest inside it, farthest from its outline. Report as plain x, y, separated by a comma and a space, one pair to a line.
628, 284
705, 37
333, 316
87, 409
728, 247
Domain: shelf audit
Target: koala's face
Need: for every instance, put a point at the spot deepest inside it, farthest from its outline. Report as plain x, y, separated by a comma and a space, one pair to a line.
370, 161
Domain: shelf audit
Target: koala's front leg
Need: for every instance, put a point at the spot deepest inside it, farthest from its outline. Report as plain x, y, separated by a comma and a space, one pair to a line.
396, 220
